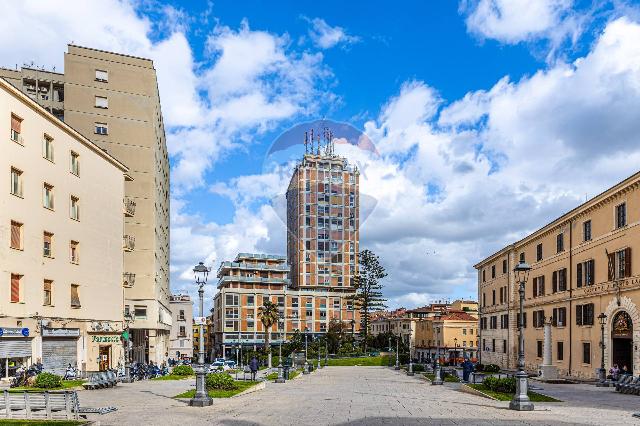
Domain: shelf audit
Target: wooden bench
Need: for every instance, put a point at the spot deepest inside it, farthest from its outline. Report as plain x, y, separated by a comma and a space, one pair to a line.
40, 405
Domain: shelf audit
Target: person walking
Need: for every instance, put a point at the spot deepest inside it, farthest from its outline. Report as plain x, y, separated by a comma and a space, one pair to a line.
253, 366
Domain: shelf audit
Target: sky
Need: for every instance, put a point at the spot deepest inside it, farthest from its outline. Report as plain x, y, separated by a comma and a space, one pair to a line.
489, 118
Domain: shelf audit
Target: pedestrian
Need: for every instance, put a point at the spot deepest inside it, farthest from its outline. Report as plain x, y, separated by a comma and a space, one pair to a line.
253, 365
625, 370
467, 369
614, 371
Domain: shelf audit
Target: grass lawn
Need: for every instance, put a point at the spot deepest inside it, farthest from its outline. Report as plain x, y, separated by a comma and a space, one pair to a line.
16, 422
241, 386
66, 384
447, 378
501, 396
172, 377
364, 361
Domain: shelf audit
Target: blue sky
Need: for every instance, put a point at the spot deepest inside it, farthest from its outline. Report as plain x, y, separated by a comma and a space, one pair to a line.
483, 113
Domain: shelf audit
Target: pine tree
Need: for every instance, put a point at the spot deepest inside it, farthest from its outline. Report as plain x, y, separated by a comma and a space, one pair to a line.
368, 296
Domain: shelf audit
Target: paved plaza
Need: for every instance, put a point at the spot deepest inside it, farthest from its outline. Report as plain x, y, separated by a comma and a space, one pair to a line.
354, 396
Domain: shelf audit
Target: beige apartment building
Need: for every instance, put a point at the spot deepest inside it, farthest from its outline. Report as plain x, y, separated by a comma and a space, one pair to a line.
113, 100
61, 243
251, 279
181, 338
582, 266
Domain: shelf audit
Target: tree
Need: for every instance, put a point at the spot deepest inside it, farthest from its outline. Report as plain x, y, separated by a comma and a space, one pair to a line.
335, 335
268, 315
368, 296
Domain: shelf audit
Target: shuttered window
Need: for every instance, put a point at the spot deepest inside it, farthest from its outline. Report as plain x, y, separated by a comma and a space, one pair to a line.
102, 102
16, 182
47, 196
621, 215
586, 353
47, 148
73, 249
47, 247
75, 296
74, 212
75, 163
16, 235
47, 287
102, 76
15, 288
584, 314
16, 125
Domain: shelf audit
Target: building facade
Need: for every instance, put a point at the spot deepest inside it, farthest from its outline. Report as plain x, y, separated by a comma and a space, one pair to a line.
181, 338
207, 333
113, 100
583, 264
61, 243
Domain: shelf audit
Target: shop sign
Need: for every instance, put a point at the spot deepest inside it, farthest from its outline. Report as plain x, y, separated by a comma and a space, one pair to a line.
60, 332
200, 321
14, 332
105, 339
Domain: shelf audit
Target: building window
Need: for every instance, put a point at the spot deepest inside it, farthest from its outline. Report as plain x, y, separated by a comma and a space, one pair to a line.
620, 264
586, 230
493, 297
539, 348
101, 129
75, 296
524, 320
16, 182
47, 148
504, 266
47, 247
584, 314
504, 346
560, 242
559, 317
538, 318
585, 273
16, 124
294, 302
74, 212
538, 286
140, 312
102, 76
16, 235
559, 280
102, 102
621, 215
75, 163
484, 275
522, 257
539, 252
493, 345
251, 300
181, 315
74, 252
560, 351
231, 300
586, 352
493, 271
15, 288
47, 199
183, 331
47, 292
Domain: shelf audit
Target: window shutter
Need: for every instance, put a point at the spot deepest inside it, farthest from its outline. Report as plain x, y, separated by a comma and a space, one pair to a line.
579, 275
554, 281
15, 288
612, 263
627, 262
15, 235
592, 271
541, 285
578, 314
554, 317
15, 123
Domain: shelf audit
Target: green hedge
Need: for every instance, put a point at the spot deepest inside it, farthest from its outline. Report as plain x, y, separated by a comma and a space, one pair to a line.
505, 385
47, 381
220, 381
182, 370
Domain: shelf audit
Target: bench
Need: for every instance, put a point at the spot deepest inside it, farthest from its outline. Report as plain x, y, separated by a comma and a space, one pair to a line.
40, 405
101, 380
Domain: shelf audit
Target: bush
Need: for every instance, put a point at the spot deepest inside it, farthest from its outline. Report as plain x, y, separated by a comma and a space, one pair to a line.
505, 385
182, 370
418, 368
478, 367
491, 368
47, 381
220, 381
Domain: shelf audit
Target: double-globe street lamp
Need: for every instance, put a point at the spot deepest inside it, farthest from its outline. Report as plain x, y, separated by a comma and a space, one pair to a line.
521, 400
602, 373
410, 369
397, 351
437, 378
201, 398
280, 378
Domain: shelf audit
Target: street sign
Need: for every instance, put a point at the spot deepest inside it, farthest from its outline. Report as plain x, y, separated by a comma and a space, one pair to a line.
200, 320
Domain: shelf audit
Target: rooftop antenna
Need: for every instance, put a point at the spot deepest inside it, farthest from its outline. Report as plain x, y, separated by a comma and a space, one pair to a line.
312, 141
306, 142
318, 141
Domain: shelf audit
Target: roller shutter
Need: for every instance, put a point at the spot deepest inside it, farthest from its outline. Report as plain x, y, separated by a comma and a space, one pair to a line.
58, 353
15, 348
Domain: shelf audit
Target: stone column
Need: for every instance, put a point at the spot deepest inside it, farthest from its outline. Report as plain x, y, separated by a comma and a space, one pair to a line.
547, 370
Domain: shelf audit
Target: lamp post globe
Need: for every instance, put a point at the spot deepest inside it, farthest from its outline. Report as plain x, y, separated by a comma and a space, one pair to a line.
201, 398
520, 401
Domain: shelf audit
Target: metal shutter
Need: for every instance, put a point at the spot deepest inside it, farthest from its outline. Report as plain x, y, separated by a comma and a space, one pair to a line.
15, 348
58, 353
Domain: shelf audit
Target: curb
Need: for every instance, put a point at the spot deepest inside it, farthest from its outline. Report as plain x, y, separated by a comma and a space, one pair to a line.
255, 388
468, 389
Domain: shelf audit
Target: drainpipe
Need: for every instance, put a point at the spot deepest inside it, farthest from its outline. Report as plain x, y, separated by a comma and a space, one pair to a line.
570, 319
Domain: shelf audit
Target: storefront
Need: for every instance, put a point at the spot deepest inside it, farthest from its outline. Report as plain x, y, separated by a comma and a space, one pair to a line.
15, 349
105, 351
59, 349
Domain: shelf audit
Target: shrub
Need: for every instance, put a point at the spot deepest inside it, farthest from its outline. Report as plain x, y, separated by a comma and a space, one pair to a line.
478, 367
220, 381
418, 368
182, 370
505, 385
491, 368
47, 381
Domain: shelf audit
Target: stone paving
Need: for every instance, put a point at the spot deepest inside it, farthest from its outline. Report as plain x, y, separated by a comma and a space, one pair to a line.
347, 396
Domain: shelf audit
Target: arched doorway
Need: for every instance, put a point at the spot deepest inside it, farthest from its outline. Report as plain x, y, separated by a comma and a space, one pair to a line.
622, 341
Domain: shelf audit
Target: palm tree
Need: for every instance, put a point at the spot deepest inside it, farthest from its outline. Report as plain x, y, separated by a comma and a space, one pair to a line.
269, 315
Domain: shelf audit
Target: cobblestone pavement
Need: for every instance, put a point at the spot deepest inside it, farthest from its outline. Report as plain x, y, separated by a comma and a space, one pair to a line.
339, 396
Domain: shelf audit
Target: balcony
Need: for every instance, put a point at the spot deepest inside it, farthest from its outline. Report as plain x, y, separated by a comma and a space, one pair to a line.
129, 207
128, 279
128, 242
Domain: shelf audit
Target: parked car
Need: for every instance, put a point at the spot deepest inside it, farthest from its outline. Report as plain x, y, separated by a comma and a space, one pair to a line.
218, 366
230, 363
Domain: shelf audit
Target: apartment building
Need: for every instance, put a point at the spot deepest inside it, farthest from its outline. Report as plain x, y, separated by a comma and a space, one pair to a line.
323, 223
582, 266
207, 333
250, 280
181, 338
113, 100
62, 219
452, 335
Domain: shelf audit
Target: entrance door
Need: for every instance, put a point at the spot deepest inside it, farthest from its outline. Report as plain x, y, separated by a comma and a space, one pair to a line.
105, 357
622, 341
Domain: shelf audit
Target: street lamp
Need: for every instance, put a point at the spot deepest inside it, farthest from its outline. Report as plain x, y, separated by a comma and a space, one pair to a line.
602, 373
455, 351
437, 377
128, 320
280, 378
397, 350
306, 348
410, 370
201, 398
353, 338
521, 400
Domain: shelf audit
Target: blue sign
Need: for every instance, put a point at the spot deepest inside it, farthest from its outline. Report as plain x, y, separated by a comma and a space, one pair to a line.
25, 332
14, 332
1, 331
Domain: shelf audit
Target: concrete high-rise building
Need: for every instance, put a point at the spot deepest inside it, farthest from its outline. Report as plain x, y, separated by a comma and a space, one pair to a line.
323, 220
113, 100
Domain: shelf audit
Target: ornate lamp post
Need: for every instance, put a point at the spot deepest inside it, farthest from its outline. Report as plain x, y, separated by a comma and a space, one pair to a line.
437, 379
128, 320
306, 347
521, 400
353, 334
410, 369
397, 351
201, 398
455, 351
602, 373
280, 378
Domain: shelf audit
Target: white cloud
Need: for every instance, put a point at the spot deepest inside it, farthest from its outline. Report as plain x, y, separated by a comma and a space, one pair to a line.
325, 36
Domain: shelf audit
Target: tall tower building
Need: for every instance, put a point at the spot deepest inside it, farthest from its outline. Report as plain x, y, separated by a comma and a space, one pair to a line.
113, 100
322, 219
